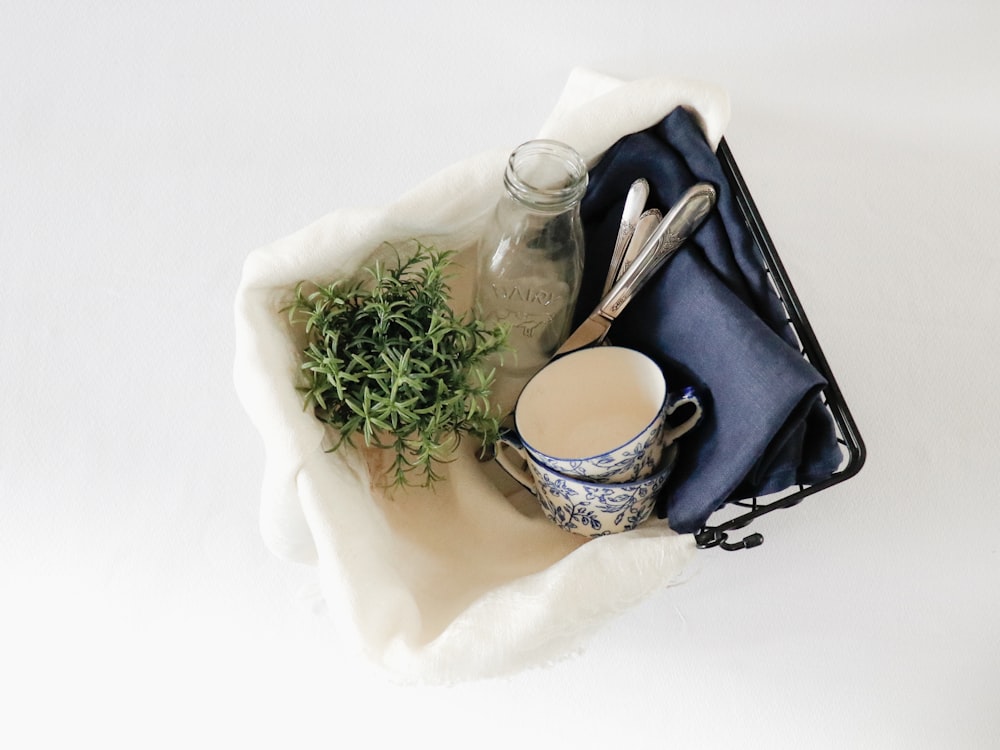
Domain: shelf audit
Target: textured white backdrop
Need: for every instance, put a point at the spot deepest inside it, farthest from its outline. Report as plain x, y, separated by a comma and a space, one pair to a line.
146, 148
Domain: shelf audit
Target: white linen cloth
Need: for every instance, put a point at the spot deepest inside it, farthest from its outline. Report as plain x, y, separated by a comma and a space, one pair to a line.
466, 579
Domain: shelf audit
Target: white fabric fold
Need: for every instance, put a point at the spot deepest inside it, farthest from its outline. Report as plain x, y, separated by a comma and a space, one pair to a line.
467, 579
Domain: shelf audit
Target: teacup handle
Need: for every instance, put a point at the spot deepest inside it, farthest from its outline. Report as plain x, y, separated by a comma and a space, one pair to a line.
509, 439
687, 396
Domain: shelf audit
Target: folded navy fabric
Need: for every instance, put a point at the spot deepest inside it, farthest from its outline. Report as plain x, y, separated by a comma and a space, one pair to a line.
712, 321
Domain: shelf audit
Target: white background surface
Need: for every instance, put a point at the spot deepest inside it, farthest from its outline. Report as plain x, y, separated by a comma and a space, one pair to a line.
146, 148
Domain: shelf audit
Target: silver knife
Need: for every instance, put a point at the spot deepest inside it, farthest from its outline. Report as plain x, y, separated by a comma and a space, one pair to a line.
680, 222
635, 201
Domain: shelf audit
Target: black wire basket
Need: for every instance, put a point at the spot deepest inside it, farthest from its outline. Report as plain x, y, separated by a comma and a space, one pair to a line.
739, 514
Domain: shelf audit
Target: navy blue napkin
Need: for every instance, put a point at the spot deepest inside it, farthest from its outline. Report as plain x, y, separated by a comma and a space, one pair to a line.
711, 320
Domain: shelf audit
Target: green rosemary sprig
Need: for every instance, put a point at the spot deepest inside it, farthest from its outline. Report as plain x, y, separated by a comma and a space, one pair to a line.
388, 359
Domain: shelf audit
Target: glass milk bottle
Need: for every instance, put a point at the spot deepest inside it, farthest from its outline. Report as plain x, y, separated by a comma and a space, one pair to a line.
530, 260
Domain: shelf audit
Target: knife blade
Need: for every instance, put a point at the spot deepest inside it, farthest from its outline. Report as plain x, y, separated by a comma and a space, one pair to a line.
673, 230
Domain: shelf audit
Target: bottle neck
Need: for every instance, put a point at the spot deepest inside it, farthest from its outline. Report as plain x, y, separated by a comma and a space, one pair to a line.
546, 176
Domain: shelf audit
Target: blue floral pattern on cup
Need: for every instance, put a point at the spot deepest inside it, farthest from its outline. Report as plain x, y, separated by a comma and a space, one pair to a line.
586, 507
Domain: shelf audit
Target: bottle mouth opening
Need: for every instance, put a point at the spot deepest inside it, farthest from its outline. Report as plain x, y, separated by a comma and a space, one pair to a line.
546, 174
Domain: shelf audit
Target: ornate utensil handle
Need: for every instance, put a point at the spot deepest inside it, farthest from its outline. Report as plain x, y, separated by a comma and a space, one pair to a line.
679, 223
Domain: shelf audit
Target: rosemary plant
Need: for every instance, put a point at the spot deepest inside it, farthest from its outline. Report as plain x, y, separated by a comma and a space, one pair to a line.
389, 360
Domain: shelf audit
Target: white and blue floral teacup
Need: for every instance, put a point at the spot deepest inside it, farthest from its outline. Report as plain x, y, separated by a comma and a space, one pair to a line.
585, 507
601, 414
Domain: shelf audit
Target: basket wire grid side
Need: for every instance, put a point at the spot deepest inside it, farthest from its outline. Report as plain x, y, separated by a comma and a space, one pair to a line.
740, 513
